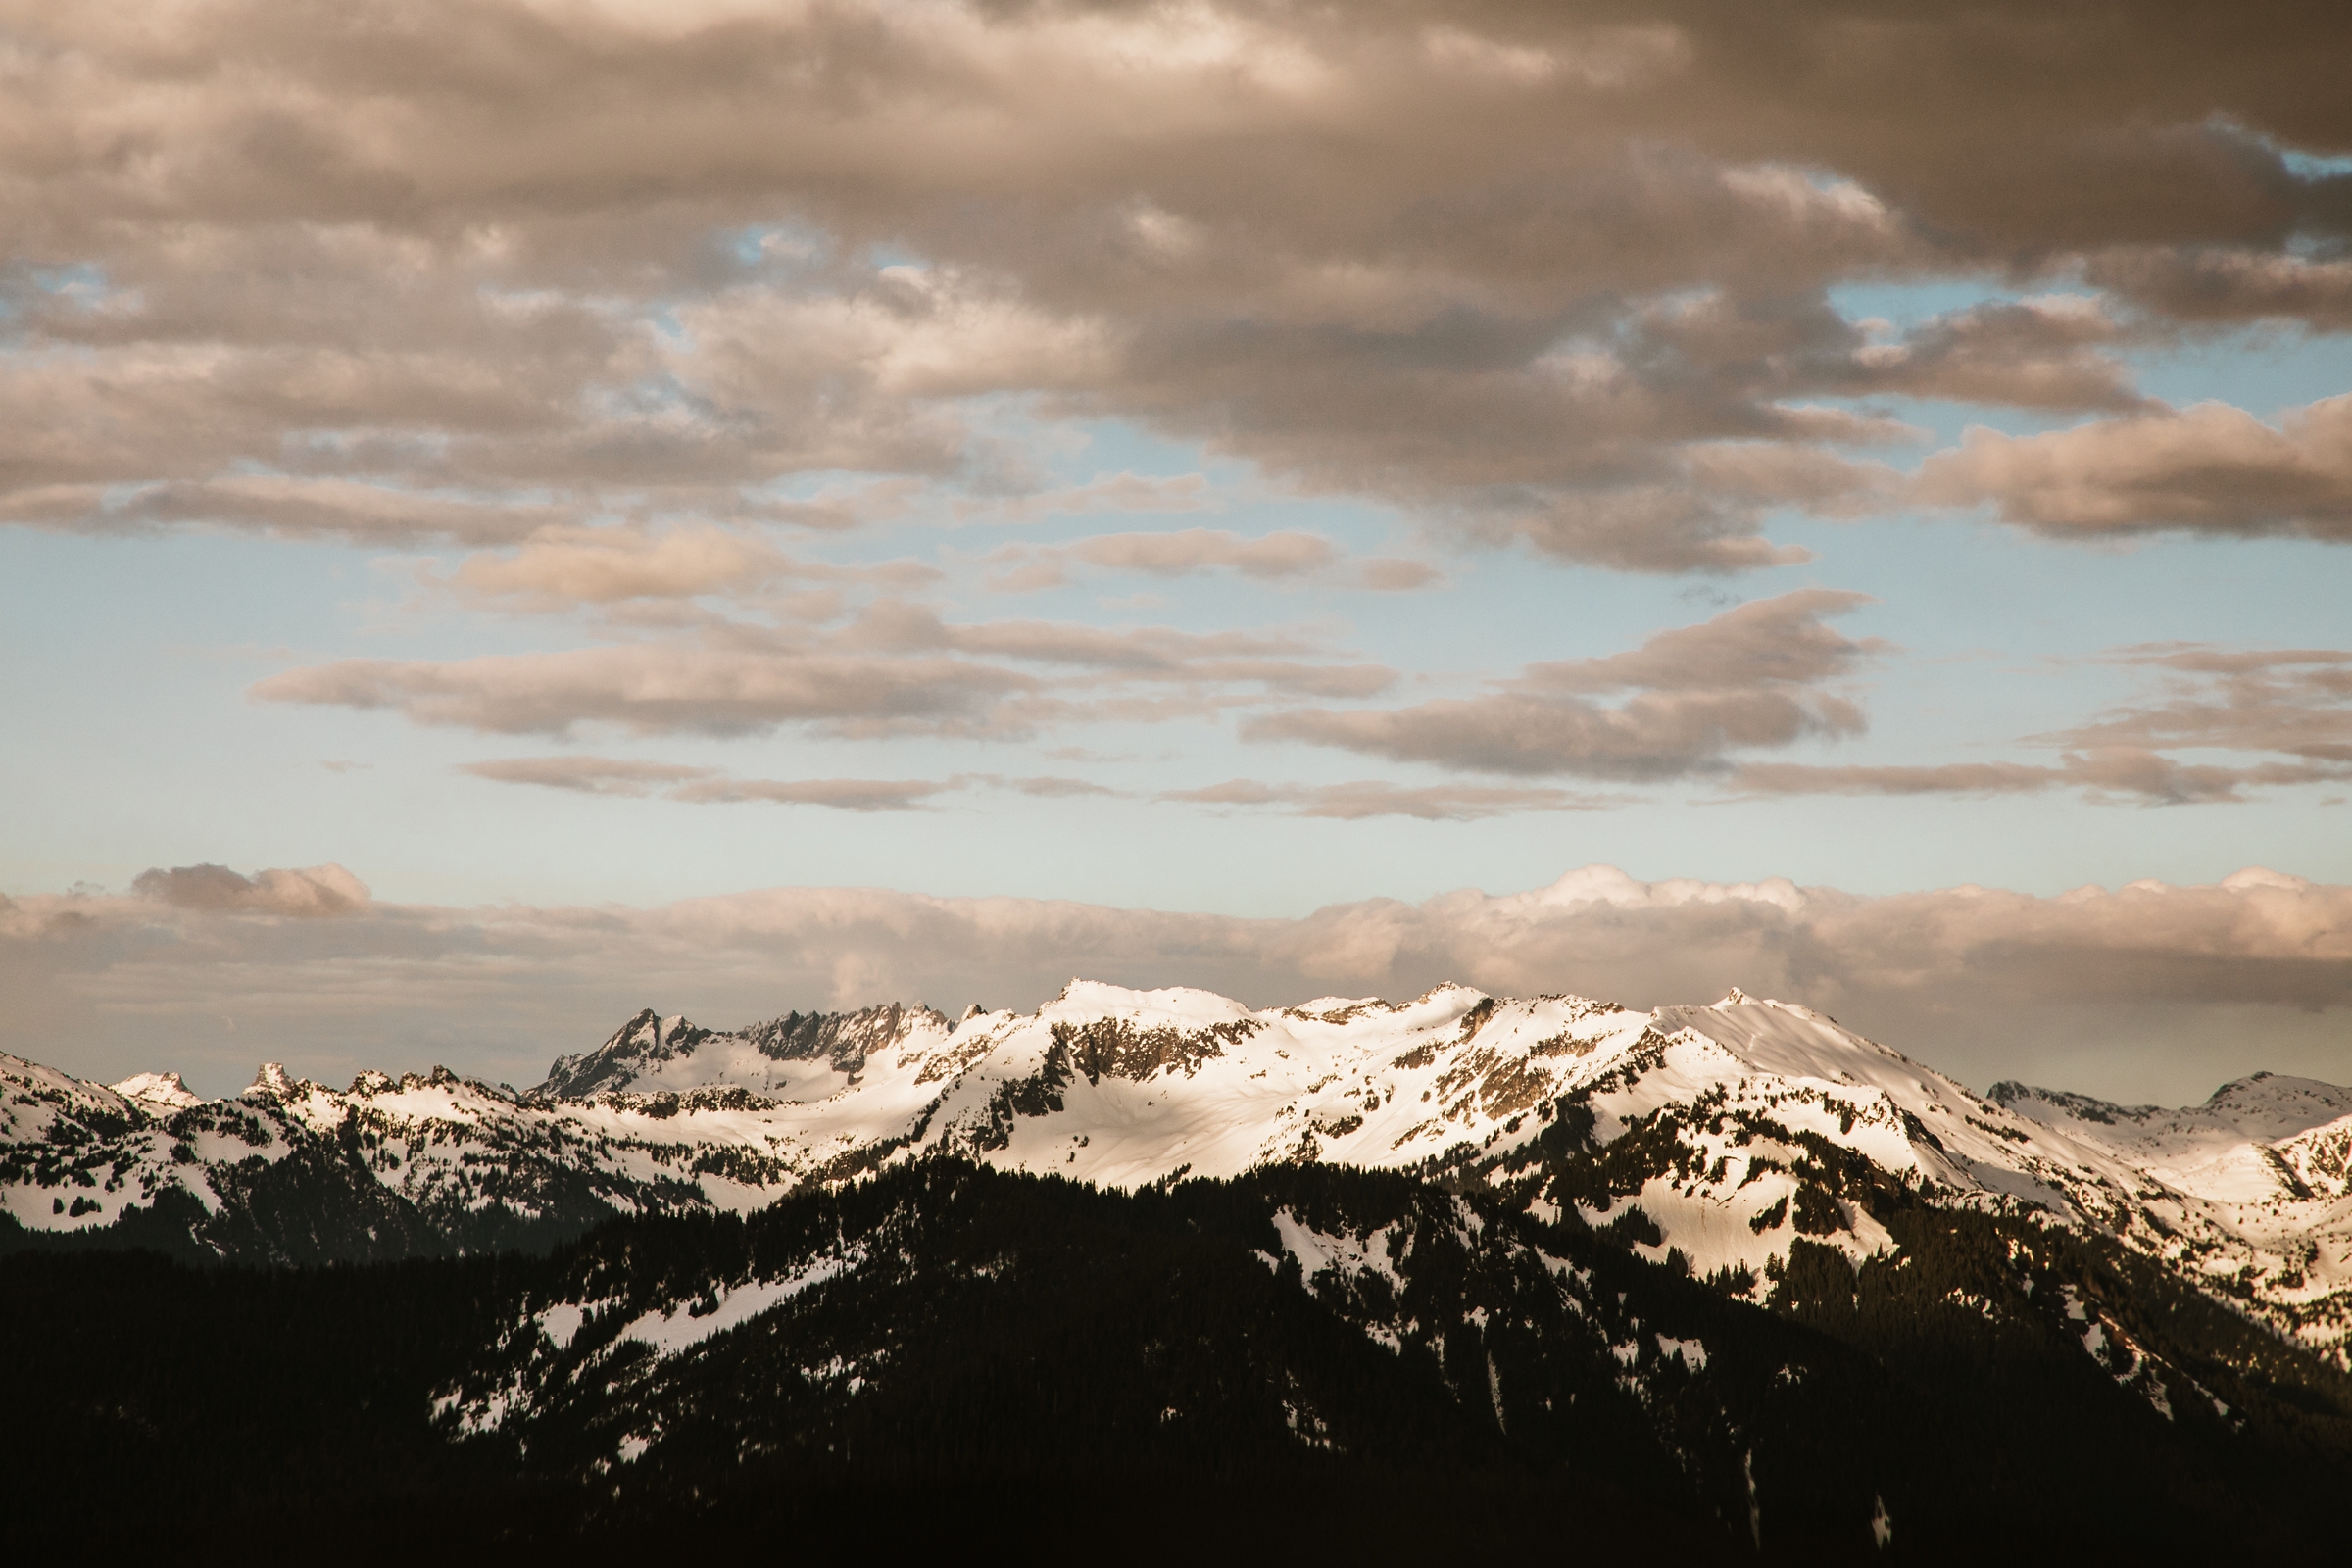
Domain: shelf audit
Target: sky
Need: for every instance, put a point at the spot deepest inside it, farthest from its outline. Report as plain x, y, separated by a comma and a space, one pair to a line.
516, 510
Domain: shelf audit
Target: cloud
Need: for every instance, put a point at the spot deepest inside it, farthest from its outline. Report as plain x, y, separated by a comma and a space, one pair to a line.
651, 689
841, 794
1283, 556
2294, 705
2201, 283
891, 668
1115, 492
706, 786
2208, 469
603, 565
1045, 787
2293, 700
1744, 679
1370, 798
311, 892
2045, 353
589, 775
1191, 550
2104, 774
465, 271
2146, 992
1392, 575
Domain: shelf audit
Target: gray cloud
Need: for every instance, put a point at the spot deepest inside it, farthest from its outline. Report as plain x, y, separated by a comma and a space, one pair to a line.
1741, 680
2146, 992
2206, 284
2045, 353
467, 270
309, 892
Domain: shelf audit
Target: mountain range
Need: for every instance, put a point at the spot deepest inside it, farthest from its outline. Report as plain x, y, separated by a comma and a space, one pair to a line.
707, 1251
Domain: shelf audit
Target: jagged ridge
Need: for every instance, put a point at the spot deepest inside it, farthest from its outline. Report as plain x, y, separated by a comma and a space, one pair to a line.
1720, 1132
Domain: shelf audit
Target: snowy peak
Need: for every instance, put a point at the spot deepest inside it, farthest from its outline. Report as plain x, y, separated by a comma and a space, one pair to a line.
2272, 1105
2318, 1161
2246, 1114
272, 1081
2055, 1107
1726, 1130
636, 1047
158, 1089
843, 1040
799, 1055
1177, 1007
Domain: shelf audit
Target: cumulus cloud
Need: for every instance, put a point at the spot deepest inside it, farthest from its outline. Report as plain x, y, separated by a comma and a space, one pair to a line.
309, 892
464, 271
2208, 469
2202, 284
1748, 678
2146, 992
2045, 353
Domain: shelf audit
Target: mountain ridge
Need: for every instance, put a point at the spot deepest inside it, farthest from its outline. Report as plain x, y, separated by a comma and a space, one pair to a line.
1731, 1130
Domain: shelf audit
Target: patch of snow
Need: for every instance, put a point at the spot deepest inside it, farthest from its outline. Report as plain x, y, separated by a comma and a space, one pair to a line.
1692, 1351
676, 1330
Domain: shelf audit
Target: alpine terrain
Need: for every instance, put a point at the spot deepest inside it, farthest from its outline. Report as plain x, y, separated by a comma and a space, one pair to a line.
1716, 1281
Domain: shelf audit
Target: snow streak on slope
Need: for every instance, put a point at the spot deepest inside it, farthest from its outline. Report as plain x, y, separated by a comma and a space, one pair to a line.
1721, 1125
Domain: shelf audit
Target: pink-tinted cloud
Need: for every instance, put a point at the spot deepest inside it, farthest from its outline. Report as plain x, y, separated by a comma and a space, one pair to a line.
1746, 679
841, 794
589, 775
2209, 469
1371, 798
468, 269
311, 892
2142, 991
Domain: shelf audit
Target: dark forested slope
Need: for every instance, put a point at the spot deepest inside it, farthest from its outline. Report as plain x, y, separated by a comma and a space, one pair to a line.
1306, 1355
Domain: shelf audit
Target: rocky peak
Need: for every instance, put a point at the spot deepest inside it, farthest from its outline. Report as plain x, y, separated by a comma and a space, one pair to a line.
841, 1039
644, 1040
272, 1081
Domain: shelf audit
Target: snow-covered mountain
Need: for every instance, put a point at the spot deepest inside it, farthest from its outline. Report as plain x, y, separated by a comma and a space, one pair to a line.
1720, 1132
